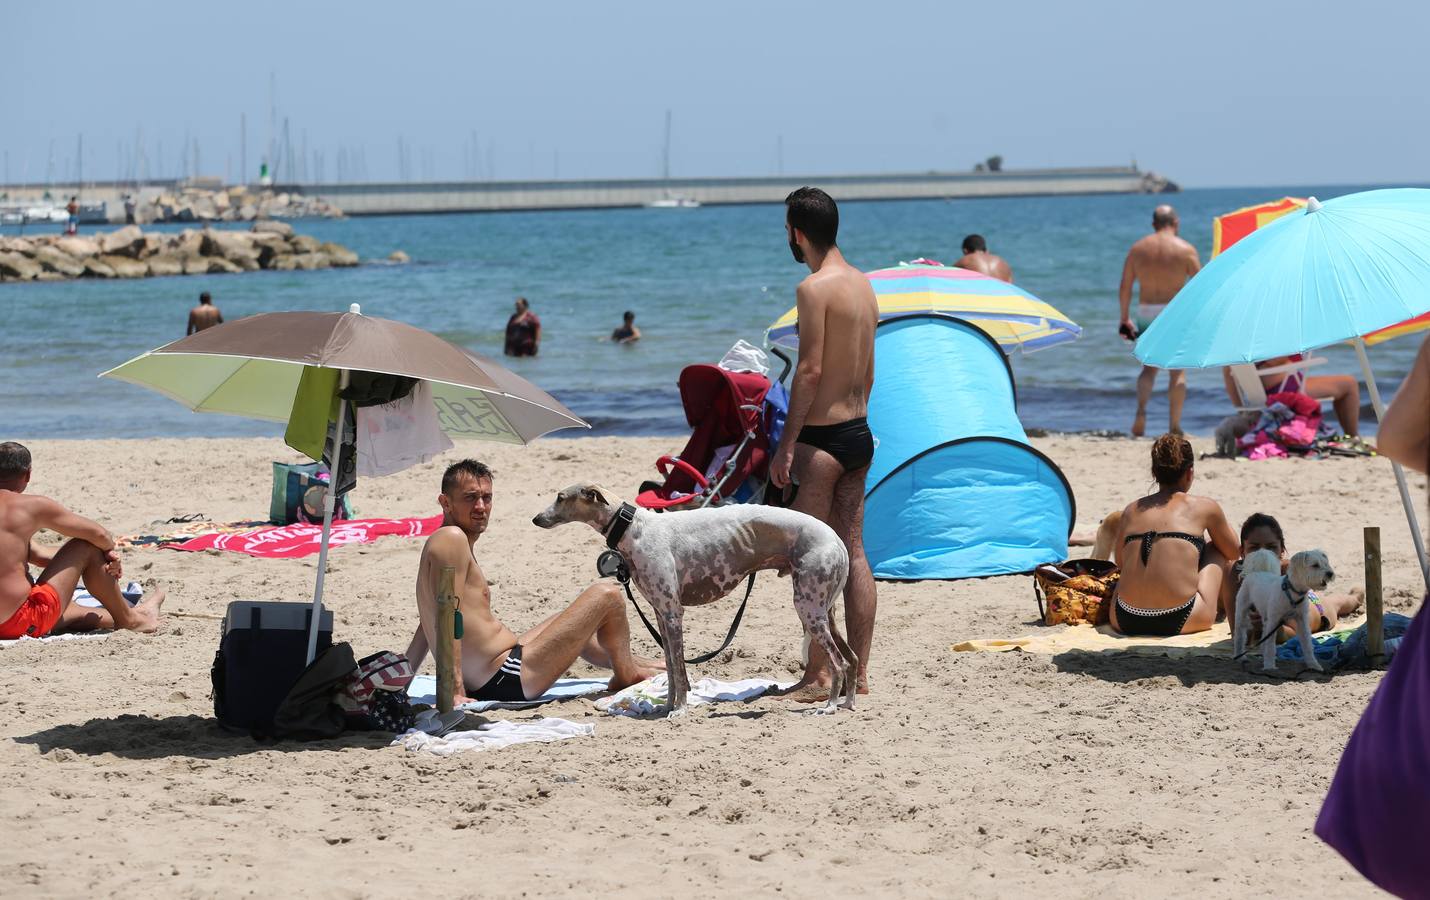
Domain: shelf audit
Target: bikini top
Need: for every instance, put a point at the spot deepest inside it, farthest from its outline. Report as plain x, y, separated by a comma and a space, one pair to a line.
1148, 538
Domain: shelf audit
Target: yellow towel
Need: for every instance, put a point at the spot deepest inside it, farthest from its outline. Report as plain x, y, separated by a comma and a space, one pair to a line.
1102, 639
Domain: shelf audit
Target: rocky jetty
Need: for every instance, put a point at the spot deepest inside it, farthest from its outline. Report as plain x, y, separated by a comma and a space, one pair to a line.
131, 252
235, 204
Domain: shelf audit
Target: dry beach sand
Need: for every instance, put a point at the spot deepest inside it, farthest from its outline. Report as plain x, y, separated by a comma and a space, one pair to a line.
967, 773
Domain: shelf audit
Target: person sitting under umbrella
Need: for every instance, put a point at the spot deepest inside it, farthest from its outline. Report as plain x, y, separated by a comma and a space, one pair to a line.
493, 662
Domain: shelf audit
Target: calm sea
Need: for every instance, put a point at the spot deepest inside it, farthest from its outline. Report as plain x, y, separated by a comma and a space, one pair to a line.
697, 279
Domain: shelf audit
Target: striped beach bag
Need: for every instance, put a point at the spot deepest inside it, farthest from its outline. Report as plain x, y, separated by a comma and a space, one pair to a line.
374, 697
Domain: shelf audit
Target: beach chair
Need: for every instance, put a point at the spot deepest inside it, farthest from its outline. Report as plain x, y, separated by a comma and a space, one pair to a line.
726, 458
1248, 381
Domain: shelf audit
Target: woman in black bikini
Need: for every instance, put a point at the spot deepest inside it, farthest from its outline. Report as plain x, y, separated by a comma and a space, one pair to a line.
1173, 550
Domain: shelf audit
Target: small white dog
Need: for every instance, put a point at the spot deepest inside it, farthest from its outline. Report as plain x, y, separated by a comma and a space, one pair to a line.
1280, 598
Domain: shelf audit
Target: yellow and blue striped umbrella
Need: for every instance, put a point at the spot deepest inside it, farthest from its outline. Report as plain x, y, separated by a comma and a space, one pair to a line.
1013, 317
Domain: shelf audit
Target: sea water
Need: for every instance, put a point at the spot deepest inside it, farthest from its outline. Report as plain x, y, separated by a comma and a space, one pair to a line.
697, 279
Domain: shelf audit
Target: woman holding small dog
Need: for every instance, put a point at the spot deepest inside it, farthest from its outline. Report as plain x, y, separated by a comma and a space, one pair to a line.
1173, 549
1263, 532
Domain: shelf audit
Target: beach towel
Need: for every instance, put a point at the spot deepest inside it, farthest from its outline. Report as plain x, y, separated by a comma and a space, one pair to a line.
187, 531
83, 636
1102, 639
423, 689
648, 697
1377, 813
493, 736
289, 541
1347, 647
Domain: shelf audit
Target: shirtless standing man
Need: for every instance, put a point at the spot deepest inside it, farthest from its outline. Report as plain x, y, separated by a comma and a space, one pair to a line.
494, 663
1160, 263
38, 608
977, 258
826, 447
205, 315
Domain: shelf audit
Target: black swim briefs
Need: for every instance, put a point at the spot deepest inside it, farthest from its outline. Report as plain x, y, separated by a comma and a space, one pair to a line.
505, 685
851, 442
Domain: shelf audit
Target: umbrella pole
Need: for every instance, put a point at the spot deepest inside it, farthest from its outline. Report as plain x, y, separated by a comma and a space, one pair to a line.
1405, 500
329, 502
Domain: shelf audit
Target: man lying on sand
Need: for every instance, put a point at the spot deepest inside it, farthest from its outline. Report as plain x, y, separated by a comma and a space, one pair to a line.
42, 607
494, 663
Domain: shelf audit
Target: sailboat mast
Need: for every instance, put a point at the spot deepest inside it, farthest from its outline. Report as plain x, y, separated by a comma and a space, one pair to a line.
665, 169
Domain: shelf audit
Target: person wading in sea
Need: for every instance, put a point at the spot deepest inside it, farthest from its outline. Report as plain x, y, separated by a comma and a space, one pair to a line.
523, 331
1160, 264
205, 315
826, 447
976, 258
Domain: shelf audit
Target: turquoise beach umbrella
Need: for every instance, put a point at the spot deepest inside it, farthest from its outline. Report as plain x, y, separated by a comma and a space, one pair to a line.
1336, 272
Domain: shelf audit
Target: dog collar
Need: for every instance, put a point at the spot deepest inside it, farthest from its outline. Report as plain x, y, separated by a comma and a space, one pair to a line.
616, 528
1295, 597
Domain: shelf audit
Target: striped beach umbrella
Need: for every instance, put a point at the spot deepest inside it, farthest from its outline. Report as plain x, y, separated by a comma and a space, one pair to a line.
1231, 227
1013, 317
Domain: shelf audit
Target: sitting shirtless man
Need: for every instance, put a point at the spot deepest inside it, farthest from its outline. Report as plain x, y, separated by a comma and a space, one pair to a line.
494, 663
826, 447
38, 608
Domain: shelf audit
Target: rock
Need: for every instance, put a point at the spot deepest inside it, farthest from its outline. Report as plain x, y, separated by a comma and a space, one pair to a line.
397, 256
270, 227
186, 243
247, 212
127, 241
78, 247
164, 264
218, 265
56, 260
19, 267
204, 208
314, 261
196, 265
302, 243
341, 256
124, 267
235, 246
285, 263
94, 268
153, 243
221, 201
50, 276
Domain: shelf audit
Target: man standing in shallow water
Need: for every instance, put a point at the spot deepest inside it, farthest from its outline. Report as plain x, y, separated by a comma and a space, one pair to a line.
205, 315
1160, 263
826, 447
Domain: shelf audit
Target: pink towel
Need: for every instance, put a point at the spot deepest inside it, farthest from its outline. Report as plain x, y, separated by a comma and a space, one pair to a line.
288, 541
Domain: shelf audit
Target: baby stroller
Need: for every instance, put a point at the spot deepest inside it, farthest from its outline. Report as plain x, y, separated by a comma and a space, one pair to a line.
737, 418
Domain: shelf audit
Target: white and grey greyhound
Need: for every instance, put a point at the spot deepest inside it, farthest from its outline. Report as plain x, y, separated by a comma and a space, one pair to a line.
697, 556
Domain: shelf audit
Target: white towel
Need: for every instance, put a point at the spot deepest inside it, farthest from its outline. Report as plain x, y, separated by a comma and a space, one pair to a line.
423, 689
647, 697
398, 435
494, 736
82, 636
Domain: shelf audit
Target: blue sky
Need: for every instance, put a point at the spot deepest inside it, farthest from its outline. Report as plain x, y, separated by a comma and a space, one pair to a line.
1212, 93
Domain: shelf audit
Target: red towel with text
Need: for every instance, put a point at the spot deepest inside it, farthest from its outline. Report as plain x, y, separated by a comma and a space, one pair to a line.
289, 541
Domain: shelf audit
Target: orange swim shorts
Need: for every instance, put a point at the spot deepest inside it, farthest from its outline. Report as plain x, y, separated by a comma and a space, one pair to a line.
35, 617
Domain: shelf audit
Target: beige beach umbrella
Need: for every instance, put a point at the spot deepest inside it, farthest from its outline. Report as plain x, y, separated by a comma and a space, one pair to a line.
252, 367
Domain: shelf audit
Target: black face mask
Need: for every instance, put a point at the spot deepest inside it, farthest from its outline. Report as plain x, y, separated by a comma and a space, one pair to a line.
794, 249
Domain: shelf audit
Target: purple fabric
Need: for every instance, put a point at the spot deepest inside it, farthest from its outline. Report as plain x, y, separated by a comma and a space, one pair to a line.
1377, 814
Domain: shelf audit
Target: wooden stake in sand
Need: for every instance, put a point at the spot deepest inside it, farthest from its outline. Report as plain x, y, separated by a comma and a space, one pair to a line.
446, 627
1374, 600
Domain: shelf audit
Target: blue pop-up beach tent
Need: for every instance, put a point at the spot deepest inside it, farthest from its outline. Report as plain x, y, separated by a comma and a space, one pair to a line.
955, 491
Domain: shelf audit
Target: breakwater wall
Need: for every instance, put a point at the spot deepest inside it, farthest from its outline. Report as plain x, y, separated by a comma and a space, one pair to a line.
396, 198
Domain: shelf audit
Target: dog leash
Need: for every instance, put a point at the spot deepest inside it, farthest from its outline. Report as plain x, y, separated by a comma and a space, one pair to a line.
612, 564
